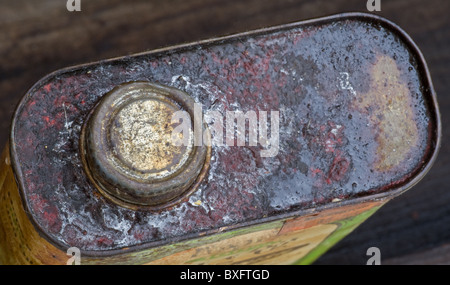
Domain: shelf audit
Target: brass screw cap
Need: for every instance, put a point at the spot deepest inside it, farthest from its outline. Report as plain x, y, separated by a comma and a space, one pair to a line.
129, 151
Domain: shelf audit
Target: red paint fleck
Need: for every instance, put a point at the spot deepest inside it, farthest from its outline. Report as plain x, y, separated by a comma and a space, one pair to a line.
53, 220
49, 121
315, 171
104, 241
138, 235
31, 104
60, 100
38, 203
338, 168
48, 87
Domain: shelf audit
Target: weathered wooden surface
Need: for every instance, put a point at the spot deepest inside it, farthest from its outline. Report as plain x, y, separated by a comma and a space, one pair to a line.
38, 37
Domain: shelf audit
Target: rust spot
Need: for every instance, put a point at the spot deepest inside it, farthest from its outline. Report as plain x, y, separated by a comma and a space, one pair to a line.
388, 104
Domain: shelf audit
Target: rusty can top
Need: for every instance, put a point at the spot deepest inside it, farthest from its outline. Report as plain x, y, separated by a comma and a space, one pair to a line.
358, 121
129, 147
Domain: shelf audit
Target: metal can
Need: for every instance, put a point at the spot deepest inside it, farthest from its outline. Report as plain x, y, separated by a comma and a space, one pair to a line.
341, 117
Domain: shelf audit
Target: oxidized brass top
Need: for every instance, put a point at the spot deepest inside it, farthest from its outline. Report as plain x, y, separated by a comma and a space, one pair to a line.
129, 152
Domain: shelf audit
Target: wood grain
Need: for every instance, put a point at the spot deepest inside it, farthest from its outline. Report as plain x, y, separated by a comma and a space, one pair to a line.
38, 37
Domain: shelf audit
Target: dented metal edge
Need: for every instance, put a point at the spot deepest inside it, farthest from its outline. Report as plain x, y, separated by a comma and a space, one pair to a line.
385, 195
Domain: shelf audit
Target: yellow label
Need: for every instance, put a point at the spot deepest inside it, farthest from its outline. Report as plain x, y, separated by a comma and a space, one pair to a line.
263, 247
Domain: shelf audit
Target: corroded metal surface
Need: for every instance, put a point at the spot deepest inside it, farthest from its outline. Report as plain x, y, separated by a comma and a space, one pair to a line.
358, 121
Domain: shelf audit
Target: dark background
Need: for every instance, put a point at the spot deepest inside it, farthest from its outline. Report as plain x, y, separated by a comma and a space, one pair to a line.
38, 37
